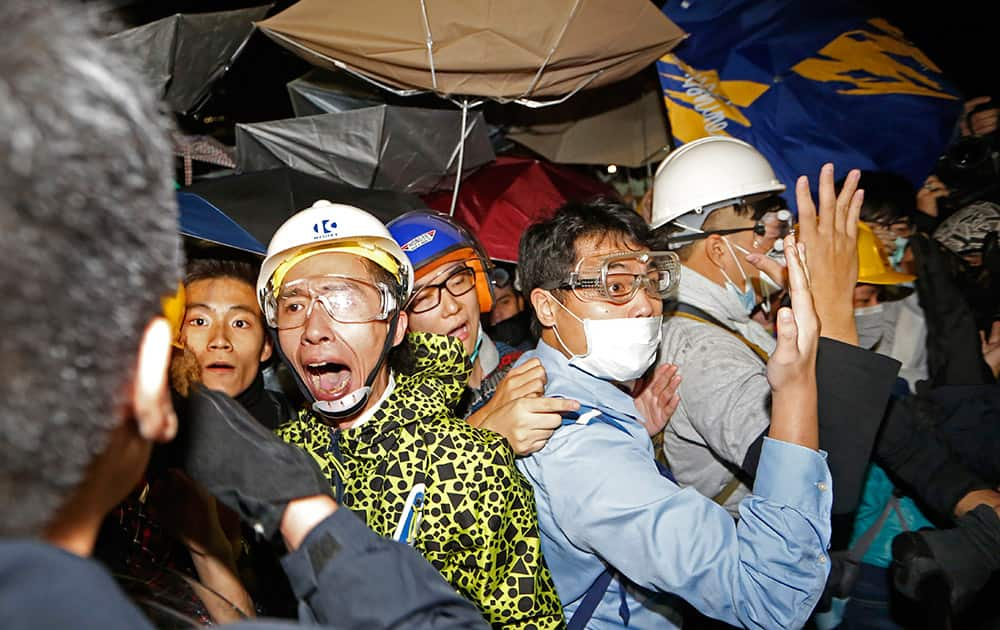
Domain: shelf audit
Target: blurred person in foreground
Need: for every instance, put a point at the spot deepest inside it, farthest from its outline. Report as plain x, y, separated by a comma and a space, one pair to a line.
91, 244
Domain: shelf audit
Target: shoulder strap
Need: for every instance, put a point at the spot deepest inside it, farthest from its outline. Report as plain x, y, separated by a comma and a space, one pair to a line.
590, 601
864, 541
693, 312
727, 491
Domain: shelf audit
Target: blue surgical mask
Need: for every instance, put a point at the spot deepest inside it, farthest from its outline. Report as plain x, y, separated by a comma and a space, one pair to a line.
747, 297
900, 250
479, 344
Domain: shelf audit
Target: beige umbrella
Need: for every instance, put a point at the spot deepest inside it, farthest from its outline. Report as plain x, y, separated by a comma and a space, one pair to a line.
631, 134
504, 50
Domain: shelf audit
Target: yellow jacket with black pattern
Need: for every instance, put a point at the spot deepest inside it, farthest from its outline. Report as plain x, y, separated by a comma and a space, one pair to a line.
477, 524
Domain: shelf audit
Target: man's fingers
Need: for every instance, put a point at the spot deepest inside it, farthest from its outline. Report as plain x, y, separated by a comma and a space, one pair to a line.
787, 349
845, 199
661, 378
534, 387
854, 214
551, 405
527, 371
768, 265
827, 198
807, 210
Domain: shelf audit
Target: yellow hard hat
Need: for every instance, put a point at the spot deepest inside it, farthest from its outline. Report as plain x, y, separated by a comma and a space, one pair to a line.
174, 306
873, 265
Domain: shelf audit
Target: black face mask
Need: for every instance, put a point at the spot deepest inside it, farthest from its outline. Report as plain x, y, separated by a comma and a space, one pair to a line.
513, 331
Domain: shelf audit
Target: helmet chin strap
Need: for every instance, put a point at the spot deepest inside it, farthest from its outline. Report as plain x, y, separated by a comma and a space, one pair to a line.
333, 411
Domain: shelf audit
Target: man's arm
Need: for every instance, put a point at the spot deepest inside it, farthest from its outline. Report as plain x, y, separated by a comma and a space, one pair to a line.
345, 575
767, 571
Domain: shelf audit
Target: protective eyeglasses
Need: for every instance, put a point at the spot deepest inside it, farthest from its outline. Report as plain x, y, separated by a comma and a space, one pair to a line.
347, 300
459, 282
618, 277
773, 225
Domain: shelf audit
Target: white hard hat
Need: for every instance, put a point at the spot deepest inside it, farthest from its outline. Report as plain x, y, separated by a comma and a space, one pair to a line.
326, 223
706, 174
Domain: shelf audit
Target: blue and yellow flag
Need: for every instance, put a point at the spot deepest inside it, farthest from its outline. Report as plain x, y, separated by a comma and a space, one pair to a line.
807, 82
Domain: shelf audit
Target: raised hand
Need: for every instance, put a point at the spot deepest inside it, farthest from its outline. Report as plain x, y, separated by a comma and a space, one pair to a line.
656, 397
791, 370
830, 241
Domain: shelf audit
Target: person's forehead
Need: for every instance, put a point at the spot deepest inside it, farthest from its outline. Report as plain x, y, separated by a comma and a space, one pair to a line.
503, 291
592, 247
223, 290
327, 263
441, 271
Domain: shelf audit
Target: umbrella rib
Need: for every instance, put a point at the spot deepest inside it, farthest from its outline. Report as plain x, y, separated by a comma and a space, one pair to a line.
429, 39
552, 51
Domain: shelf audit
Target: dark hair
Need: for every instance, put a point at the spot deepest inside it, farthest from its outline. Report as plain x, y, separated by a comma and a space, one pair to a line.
89, 245
889, 197
548, 254
212, 268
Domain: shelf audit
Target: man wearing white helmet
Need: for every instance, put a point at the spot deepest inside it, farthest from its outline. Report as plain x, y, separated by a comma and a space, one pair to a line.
717, 202
332, 289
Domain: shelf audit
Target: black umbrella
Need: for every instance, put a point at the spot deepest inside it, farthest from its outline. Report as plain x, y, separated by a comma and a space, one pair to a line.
388, 147
261, 201
185, 53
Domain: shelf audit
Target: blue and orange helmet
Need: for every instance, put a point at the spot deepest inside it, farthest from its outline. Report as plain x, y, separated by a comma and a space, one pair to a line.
431, 239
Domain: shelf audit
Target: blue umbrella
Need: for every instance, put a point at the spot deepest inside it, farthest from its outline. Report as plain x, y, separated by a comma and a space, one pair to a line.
200, 219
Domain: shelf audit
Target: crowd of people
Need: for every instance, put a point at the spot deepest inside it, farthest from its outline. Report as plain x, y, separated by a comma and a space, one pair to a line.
716, 413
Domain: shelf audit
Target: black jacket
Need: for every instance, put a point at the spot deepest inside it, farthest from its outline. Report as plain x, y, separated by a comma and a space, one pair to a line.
343, 575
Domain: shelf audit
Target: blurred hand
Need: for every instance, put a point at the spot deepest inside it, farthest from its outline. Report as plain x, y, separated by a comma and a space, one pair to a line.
991, 348
791, 370
656, 397
929, 194
830, 241
190, 514
980, 123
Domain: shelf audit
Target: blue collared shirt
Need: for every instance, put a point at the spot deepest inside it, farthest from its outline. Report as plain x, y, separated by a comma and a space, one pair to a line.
601, 501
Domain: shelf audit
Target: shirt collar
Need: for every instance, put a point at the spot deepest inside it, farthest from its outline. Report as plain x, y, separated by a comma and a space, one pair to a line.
571, 382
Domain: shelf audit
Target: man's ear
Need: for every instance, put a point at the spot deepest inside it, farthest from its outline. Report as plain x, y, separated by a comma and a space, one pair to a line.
401, 326
151, 405
268, 349
541, 300
715, 249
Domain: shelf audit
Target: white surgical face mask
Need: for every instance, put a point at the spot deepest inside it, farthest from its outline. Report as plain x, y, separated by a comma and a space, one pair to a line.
869, 322
619, 349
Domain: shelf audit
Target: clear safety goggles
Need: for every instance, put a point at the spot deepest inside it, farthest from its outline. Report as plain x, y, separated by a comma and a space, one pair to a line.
347, 300
618, 277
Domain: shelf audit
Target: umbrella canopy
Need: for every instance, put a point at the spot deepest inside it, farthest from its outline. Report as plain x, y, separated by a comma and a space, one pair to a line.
200, 219
514, 49
628, 134
500, 201
386, 147
185, 53
261, 201
321, 92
